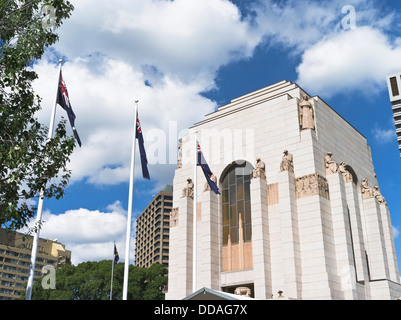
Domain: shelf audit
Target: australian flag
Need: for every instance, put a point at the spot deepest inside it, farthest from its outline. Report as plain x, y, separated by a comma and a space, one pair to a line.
116, 257
206, 170
142, 152
64, 101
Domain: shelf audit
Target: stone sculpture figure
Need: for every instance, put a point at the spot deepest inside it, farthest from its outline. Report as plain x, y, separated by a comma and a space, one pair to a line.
243, 291
307, 118
366, 190
259, 171
287, 162
331, 165
377, 194
188, 191
345, 173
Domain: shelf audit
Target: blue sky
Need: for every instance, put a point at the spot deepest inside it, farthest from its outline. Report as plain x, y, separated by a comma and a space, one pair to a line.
182, 59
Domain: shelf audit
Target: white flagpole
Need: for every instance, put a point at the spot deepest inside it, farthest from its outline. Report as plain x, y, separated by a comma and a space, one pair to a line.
40, 203
129, 214
112, 271
195, 211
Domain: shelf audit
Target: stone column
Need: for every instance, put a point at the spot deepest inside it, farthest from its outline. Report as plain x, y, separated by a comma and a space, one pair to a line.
290, 248
375, 243
209, 232
316, 239
389, 242
260, 239
342, 236
180, 252
361, 265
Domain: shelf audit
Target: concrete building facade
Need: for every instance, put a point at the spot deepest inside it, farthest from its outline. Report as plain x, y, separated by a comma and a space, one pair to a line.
152, 234
300, 210
394, 89
15, 260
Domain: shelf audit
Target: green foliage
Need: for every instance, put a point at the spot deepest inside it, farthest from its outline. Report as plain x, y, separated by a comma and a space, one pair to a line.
28, 161
91, 281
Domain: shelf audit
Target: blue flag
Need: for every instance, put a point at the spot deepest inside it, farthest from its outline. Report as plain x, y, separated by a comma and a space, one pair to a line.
206, 170
64, 101
116, 257
142, 152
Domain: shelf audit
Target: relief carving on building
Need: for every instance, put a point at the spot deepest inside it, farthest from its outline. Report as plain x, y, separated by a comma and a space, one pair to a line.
174, 217
331, 165
287, 162
306, 114
188, 191
180, 153
272, 194
310, 185
259, 171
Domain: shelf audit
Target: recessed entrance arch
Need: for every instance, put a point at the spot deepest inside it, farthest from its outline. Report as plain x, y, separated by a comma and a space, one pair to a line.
236, 216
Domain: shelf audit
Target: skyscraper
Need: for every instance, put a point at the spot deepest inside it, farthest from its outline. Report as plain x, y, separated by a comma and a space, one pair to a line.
152, 230
394, 89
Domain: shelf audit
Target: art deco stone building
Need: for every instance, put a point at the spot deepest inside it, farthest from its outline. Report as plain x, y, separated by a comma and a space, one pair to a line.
300, 210
15, 260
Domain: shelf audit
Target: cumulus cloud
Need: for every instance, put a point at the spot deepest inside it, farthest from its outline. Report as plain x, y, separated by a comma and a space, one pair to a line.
89, 234
385, 135
358, 59
187, 39
396, 232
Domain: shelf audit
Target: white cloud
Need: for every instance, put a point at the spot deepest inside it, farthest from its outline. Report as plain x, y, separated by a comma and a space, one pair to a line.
89, 234
396, 232
188, 39
384, 135
358, 59
103, 101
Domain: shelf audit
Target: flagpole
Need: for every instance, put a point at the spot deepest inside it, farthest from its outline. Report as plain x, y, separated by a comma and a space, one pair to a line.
40, 203
195, 211
129, 214
112, 271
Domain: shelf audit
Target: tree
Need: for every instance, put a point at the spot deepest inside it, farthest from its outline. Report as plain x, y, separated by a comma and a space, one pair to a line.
29, 162
91, 281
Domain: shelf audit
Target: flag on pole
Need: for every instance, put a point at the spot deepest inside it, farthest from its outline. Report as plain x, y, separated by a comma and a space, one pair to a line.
64, 101
116, 256
206, 170
142, 152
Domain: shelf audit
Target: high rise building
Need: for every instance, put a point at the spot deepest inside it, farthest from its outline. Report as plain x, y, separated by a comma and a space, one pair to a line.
394, 89
152, 230
300, 214
15, 260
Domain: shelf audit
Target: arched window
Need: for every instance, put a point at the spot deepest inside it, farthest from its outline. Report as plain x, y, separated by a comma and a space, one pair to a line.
236, 201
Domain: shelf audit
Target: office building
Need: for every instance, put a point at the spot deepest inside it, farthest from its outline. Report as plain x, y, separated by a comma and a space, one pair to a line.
394, 89
15, 260
152, 230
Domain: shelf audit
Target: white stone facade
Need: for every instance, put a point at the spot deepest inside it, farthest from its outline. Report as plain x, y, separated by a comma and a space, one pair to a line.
314, 236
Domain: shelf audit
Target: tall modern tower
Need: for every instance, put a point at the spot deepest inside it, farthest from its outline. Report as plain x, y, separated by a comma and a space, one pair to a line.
394, 89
